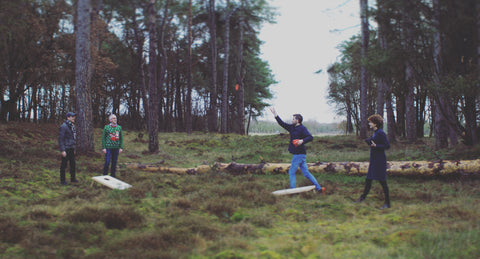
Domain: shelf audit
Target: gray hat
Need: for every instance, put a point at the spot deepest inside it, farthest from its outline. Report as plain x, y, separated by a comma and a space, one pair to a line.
70, 114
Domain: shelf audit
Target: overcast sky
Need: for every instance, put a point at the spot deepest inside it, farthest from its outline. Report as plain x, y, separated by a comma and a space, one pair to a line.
303, 41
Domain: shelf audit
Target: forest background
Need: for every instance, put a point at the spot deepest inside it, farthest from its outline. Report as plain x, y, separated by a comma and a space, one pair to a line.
183, 66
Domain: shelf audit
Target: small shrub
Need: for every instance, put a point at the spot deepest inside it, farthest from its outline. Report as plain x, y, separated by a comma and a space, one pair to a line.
223, 208
39, 215
10, 232
182, 203
120, 218
113, 218
243, 229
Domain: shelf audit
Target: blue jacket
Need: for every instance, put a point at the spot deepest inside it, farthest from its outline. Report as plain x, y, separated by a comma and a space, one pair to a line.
296, 132
377, 168
65, 137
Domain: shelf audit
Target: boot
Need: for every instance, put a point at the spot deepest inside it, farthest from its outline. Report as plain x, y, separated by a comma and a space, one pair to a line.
385, 206
361, 199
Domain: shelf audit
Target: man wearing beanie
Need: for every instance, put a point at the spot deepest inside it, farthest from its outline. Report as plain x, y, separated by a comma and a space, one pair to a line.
66, 141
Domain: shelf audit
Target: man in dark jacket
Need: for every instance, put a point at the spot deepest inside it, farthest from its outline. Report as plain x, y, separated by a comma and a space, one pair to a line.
299, 136
66, 141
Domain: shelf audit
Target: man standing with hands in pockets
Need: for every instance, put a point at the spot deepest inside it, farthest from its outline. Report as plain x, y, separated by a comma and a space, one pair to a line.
66, 141
112, 144
299, 136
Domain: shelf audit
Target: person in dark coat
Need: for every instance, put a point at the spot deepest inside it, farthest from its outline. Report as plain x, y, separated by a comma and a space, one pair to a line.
377, 168
299, 136
66, 141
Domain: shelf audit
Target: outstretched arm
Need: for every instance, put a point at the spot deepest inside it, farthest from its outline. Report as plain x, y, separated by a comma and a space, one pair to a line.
274, 112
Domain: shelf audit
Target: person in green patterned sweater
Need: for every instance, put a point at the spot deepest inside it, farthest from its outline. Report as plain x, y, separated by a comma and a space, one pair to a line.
112, 144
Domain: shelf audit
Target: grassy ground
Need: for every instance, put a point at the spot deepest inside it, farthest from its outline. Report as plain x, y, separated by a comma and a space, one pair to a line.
216, 215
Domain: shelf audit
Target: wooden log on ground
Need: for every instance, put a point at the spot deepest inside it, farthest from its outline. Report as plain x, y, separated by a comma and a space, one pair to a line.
164, 169
405, 168
419, 168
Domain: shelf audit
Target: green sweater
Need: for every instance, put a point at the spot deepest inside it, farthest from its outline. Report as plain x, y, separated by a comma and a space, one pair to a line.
112, 137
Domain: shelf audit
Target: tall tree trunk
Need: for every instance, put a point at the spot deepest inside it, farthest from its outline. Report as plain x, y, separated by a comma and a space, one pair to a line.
83, 77
139, 43
363, 70
240, 87
390, 117
382, 21
163, 62
441, 125
410, 119
152, 81
470, 120
213, 110
188, 116
224, 110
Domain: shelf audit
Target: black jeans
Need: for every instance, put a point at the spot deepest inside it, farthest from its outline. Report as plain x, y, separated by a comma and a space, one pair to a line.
70, 158
368, 185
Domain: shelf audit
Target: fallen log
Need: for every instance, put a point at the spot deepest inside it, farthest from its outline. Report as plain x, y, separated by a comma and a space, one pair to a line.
419, 168
164, 169
424, 168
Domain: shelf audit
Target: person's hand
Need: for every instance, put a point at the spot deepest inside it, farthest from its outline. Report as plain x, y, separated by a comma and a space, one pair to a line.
273, 111
120, 150
104, 151
64, 153
373, 144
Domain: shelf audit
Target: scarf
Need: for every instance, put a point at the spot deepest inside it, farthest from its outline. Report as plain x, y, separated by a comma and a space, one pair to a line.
72, 127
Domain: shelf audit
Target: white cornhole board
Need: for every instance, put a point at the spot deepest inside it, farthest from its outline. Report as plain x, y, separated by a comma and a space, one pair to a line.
294, 190
111, 182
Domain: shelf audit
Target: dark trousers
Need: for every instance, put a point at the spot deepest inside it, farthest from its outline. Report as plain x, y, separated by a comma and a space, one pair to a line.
69, 158
368, 185
111, 157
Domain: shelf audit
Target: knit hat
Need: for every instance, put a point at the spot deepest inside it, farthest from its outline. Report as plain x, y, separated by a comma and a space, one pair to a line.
70, 114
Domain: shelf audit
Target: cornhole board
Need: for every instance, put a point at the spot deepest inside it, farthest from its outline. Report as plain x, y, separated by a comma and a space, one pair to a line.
294, 190
111, 182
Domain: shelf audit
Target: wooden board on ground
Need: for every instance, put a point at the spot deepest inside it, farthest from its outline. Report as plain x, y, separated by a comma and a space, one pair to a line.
111, 182
294, 190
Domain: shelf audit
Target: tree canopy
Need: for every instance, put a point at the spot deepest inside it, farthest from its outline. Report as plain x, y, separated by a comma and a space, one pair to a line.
423, 64
131, 68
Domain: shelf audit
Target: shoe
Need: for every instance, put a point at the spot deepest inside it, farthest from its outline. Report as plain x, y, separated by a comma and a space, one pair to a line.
361, 199
63, 183
74, 181
385, 206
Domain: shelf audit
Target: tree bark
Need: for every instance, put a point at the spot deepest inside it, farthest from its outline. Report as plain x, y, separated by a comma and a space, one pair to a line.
139, 43
188, 103
240, 87
83, 78
152, 81
441, 125
363, 70
224, 110
213, 110
410, 118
